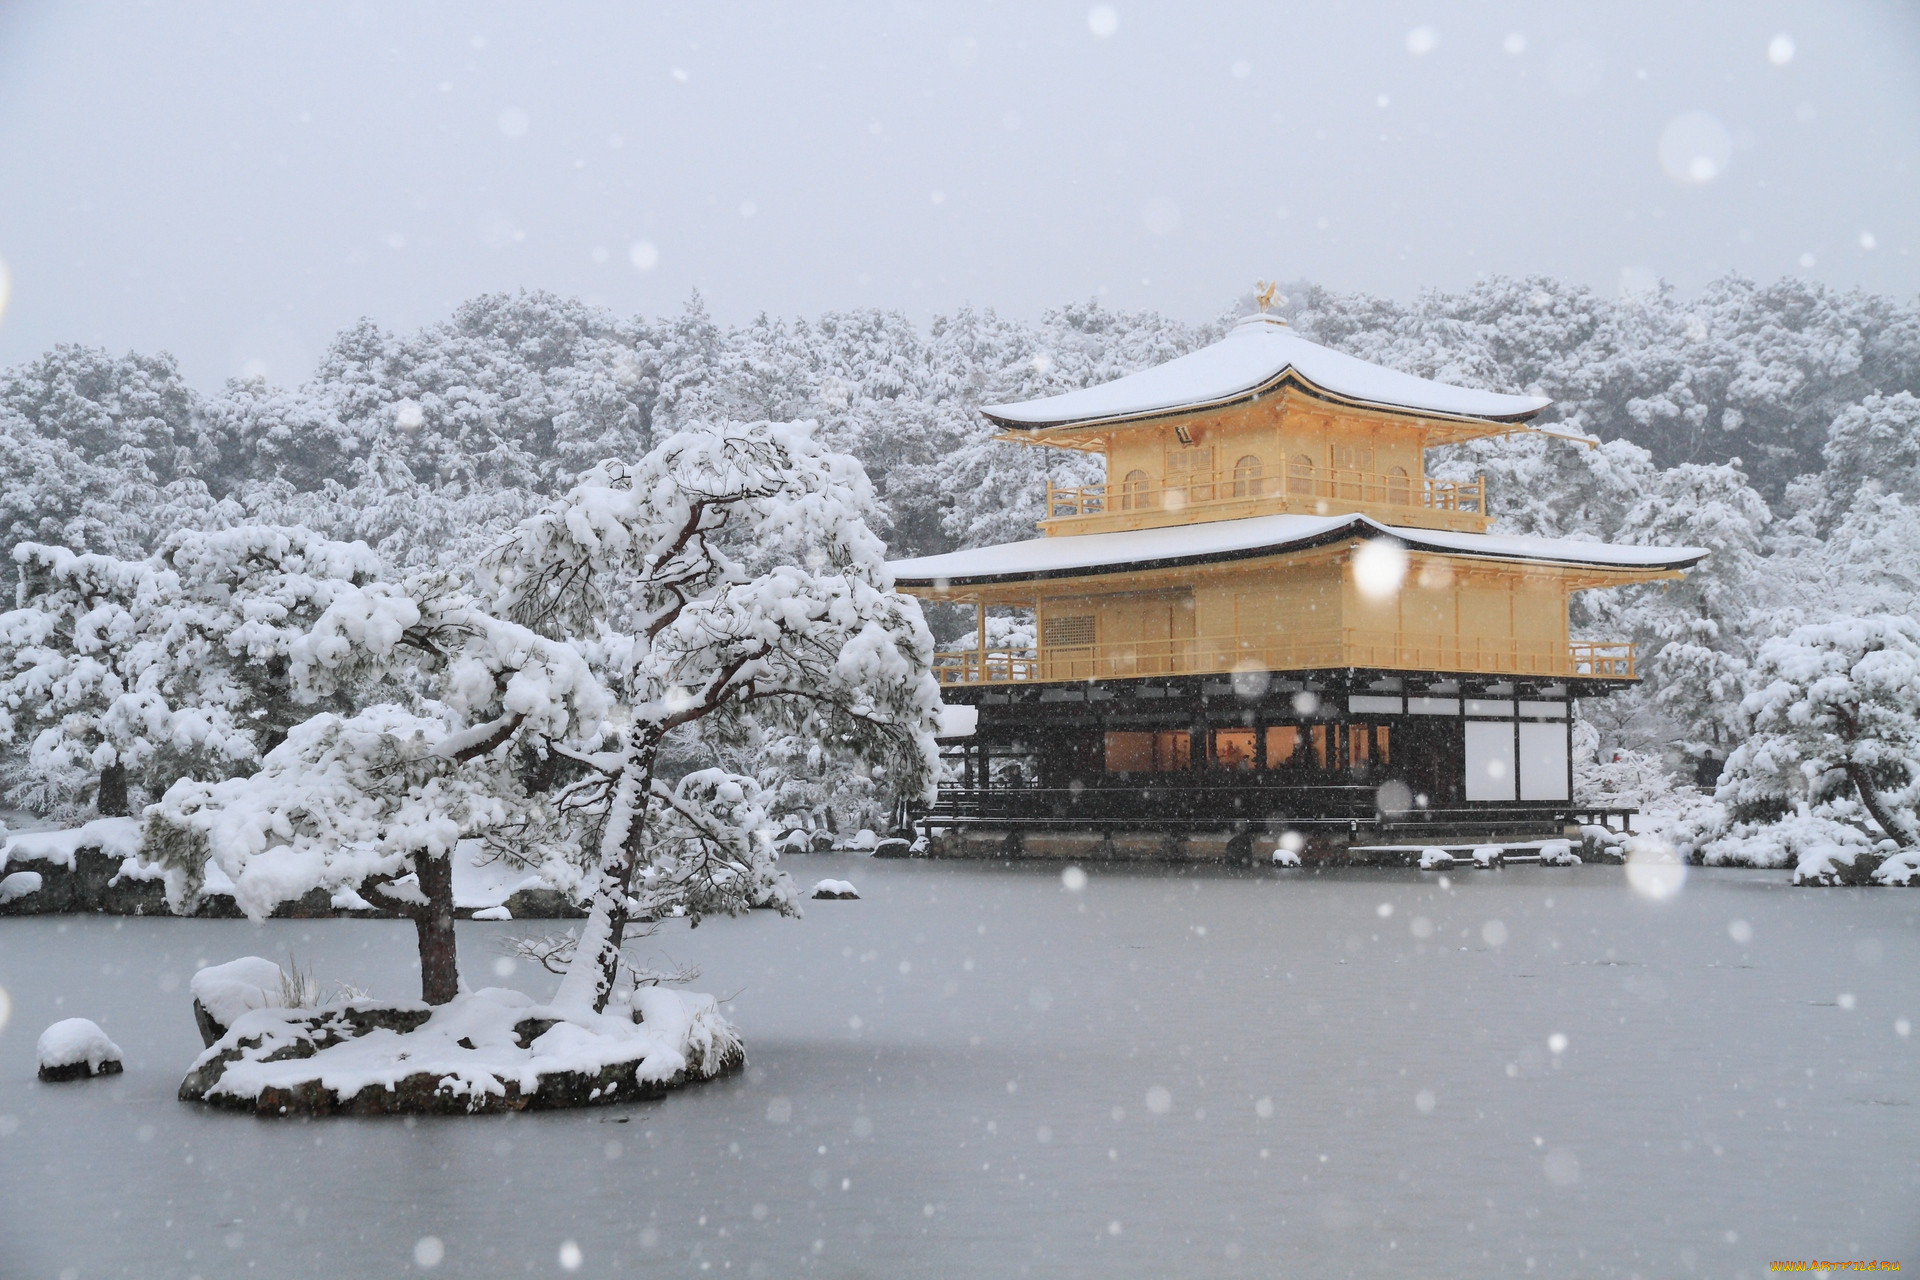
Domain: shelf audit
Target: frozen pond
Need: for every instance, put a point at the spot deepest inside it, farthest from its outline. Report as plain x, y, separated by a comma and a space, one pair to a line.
976, 1071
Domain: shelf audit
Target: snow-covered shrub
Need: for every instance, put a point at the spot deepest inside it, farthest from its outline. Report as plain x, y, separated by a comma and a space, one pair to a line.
1623, 777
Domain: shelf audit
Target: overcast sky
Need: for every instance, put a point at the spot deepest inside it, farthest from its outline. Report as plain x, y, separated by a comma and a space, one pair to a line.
235, 184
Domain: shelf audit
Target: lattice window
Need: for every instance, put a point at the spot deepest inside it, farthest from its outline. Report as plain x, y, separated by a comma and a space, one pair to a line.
1399, 486
1246, 477
1190, 473
1300, 475
1067, 633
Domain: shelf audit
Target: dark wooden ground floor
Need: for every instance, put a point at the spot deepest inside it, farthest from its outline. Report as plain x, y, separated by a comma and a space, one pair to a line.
1373, 752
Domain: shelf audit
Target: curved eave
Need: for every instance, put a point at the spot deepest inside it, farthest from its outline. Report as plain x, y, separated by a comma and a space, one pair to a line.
1358, 526
1288, 376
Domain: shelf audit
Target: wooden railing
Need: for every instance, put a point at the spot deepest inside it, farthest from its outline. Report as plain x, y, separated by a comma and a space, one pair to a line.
1317, 492
1220, 655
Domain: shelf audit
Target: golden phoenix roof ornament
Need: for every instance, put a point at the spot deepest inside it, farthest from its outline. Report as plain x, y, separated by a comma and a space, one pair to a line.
1268, 292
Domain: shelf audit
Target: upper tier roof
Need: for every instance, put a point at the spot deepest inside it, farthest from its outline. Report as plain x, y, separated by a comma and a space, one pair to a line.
1259, 354
1217, 540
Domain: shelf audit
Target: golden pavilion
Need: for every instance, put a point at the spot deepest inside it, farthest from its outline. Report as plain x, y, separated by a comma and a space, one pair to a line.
1270, 616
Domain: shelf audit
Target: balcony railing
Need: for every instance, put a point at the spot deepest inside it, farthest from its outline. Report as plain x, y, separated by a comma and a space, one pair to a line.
1220, 655
1217, 495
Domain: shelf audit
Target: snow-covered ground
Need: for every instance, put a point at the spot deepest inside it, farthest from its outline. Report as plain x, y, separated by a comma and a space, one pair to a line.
979, 1071
482, 881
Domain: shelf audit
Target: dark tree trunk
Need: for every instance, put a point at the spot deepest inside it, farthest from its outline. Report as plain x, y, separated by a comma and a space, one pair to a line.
1870, 797
111, 800
439, 963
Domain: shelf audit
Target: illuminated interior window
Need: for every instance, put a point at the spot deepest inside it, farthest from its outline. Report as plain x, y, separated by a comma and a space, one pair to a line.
1233, 748
1133, 492
1283, 744
1141, 752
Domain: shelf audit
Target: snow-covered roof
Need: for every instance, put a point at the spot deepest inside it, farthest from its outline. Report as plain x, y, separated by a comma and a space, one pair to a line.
1215, 540
1255, 357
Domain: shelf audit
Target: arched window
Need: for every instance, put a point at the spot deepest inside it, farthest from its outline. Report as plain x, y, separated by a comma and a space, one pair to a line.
1133, 491
1399, 486
1300, 475
1246, 477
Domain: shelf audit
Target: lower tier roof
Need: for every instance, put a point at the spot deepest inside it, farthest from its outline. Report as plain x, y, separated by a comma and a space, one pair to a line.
1085, 555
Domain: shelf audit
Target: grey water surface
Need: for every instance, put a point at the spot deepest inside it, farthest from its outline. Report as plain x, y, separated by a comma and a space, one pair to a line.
977, 1070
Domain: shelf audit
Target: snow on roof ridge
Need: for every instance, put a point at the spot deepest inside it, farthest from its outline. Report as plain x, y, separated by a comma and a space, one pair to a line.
1090, 553
1256, 355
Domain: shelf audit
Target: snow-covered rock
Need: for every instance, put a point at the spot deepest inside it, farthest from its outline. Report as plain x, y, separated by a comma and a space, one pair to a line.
1284, 857
1558, 853
493, 913
1831, 865
116, 837
863, 840
487, 1050
893, 847
1435, 860
832, 889
1902, 869
224, 993
19, 885
76, 1049
1489, 856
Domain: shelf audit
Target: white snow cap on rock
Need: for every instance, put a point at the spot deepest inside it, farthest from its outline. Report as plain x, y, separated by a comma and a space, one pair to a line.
1435, 860
19, 885
1558, 853
227, 991
73, 1041
835, 889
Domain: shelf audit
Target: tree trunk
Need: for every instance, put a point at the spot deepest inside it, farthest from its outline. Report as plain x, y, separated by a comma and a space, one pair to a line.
111, 799
596, 959
1870, 797
439, 962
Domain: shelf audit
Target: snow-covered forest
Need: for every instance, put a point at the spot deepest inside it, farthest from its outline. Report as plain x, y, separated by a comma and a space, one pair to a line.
1775, 424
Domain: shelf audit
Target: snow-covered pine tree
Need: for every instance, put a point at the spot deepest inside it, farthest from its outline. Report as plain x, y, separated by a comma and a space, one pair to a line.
376, 799
728, 573
1832, 763
118, 677
1699, 633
